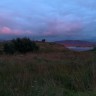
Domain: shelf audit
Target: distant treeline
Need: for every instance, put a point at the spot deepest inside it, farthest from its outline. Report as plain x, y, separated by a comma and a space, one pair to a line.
20, 45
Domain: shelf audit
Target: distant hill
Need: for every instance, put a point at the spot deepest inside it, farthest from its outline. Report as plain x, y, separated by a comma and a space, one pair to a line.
79, 43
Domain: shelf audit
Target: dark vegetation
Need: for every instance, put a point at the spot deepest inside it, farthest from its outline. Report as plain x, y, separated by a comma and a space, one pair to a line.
23, 45
53, 71
94, 50
43, 40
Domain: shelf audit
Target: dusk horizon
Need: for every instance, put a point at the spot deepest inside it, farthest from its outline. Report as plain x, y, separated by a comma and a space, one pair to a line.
48, 48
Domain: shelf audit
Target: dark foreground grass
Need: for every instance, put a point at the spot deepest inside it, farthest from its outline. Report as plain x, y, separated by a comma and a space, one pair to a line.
53, 73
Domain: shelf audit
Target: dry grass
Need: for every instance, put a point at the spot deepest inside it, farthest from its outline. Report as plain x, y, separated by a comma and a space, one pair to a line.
54, 71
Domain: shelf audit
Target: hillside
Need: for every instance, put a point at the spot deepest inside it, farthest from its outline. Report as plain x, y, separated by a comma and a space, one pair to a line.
52, 71
77, 43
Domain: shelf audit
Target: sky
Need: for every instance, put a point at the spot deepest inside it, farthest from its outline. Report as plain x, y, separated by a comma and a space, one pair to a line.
50, 19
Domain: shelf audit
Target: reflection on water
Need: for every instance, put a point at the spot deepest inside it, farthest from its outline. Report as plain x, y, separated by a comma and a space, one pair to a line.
80, 48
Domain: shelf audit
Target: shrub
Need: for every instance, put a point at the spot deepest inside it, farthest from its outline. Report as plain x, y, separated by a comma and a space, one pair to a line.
20, 45
9, 48
94, 49
43, 40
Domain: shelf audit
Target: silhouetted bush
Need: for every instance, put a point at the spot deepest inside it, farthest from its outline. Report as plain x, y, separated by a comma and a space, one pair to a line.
43, 40
9, 48
20, 45
93, 50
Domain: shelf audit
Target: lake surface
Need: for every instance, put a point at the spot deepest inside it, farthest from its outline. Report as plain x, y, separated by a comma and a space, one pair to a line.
80, 48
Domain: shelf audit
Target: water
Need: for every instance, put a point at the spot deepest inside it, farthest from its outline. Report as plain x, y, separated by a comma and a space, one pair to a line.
80, 48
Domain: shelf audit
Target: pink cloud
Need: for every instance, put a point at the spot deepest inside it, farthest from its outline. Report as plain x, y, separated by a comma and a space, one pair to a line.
9, 31
5, 30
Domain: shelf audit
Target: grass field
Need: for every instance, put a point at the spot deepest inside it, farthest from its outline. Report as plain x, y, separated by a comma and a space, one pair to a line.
53, 71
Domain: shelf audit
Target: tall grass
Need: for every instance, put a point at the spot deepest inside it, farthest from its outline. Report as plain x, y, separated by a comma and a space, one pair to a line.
62, 73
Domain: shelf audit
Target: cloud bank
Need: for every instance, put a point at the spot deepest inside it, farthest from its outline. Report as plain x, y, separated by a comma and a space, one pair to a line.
49, 18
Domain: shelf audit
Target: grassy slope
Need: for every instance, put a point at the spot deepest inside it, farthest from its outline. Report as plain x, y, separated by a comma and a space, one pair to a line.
54, 71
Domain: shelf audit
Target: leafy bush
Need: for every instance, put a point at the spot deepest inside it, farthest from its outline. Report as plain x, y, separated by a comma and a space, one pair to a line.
20, 45
9, 48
